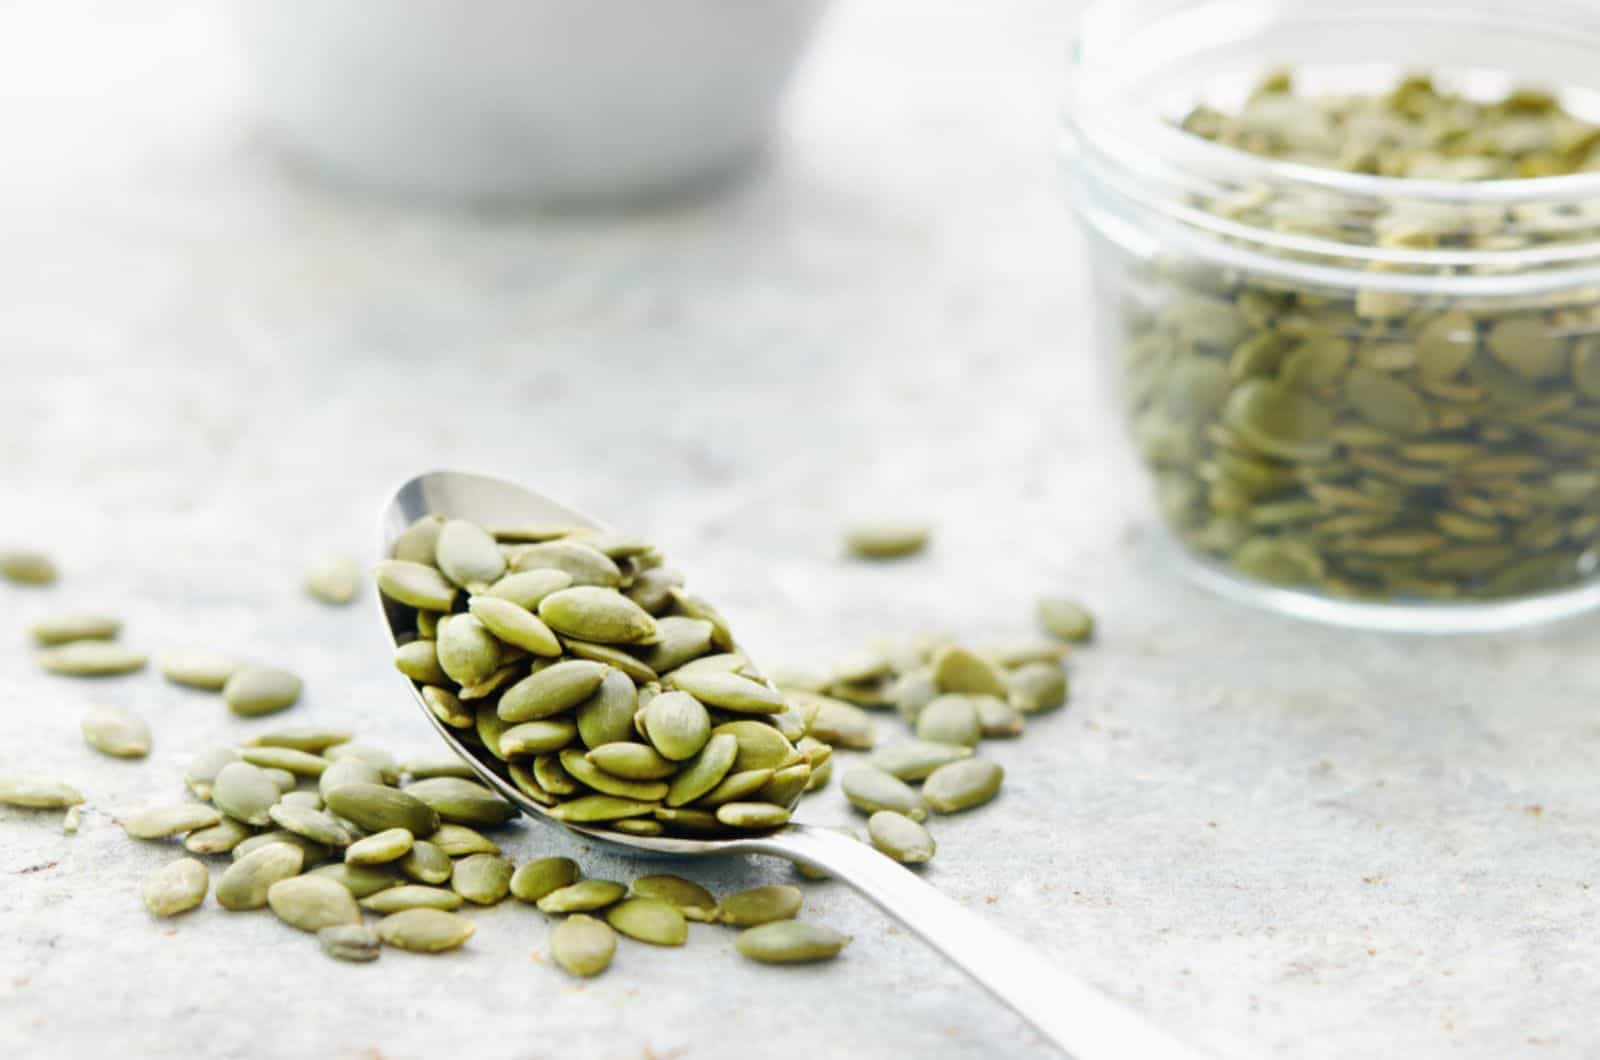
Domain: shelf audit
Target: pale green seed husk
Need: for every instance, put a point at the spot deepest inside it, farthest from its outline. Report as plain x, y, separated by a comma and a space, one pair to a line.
591, 809
418, 542
752, 815
606, 715
91, 658
256, 690
391, 844
689, 898
245, 793
632, 761
412, 896
585, 896
282, 779
900, 837
790, 942
363, 881
786, 785
585, 566
22, 566
203, 769
419, 660
951, 719
527, 588
426, 862
220, 838
730, 692
316, 825
457, 840
350, 942
415, 585
244, 884
838, 723
956, 669
483, 879
582, 945
1066, 618
312, 903
735, 787
612, 656
288, 759
597, 615
649, 920
886, 540
551, 690
348, 771
194, 668
425, 930
532, 738
333, 580
680, 640
1037, 687
760, 905
913, 760
309, 799
379, 759
461, 801
66, 628
467, 651
677, 725
176, 888
376, 808
760, 745
532, 881
311, 853
579, 767
447, 707
310, 739
116, 732
962, 785
998, 719
423, 768
468, 555
870, 789
515, 624
161, 822
705, 771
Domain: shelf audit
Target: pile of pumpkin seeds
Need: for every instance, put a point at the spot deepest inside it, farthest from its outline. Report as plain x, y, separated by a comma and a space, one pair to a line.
1370, 443
579, 668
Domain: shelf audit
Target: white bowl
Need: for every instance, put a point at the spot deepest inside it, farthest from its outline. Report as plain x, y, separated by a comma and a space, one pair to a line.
549, 101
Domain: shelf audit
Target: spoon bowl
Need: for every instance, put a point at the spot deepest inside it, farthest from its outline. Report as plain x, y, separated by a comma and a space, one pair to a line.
1073, 1016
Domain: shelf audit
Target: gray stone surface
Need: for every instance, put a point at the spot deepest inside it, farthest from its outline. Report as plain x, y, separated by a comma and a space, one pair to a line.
1276, 839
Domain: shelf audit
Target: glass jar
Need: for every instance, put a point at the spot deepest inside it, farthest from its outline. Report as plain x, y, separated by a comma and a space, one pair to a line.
1366, 399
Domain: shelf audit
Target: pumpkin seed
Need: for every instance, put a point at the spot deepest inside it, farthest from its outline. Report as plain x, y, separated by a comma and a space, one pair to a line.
1037, 687
760, 745
245, 793
300, 763
244, 884
380, 760
998, 719
204, 767
116, 732
468, 555
632, 761
91, 658
582, 945
870, 789
590, 775
418, 543
681, 640
584, 565
456, 840
752, 815
962, 785
606, 715
375, 808
426, 862
690, 899
527, 588
886, 540
590, 809
839, 724
950, 719
536, 737
160, 822
613, 657
790, 942
649, 920
350, 942
311, 853
363, 881
585, 896
705, 771
423, 768
64, 629
900, 837
483, 879
729, 692
312, 903
956, 669
597, 615
22, 566
425, 930
535, 879
411, 896
677, 725
551, 690
461, 801
348, 771
281, 779
917, 759
760, 905
333, 580
315, 825
515, 624
176, 888
467, 651
310, 739
1066, 618
220, 838
198, 669
419, 660
254, 690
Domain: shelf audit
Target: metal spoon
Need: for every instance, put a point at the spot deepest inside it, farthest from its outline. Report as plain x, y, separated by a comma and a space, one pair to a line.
1075, 1017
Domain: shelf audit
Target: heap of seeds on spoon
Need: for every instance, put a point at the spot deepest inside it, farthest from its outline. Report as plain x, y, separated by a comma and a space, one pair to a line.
575, 664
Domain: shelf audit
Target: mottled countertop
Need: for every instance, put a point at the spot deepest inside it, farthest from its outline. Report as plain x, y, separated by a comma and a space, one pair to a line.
1278, 840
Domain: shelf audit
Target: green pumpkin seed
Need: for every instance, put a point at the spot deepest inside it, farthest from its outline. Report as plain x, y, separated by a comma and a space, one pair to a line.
380, 760
838, 723
375, 808
468, 555
689, 821
1066, 618
613, 657
312, 903
737, 786
309, 799
585, 896
418, 543
632, 761
649, 920
311, 853
447, 707
220, 838
950, 719
590, 775
760, 745
597, 615
310, 739
116, 732
552, 776
534, 880
315, 825
254, 690
536, 737
411, 896
693, 607
245, 883
527, 588
606, 715
489, 727
348, 771
752, 815
423, 768
820, 775
160, 822
677, 725
962, 785
300, 763
419, 660
916, 759
870, 789
333, 580
426, 862
729, 692
515, 625
705, 771
362, 881
91, 658
282, 779
998, 719
64, 629
690, 899
592, 809
22, 566
415, 585
461, 801
584, 565
456, 841
786, 785
760, 905
483, 879
467, 651
350, 942
198, 669
959, 670
900, 837
886, 540
652, 589
245, 792
425, 930
582, 945
790, 942
682, 639
176, 888
552, 690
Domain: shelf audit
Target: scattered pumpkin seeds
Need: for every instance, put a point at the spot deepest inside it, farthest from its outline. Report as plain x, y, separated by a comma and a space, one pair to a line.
255, 690
900, 837
245, 883
870, 789
962, 785
425, 930
333, 580
91, 658
483, 879
686, 896
176, 887
116, 732
649, 920
376, 808
64, 629
312, 903
1066, 618
760, 905
535, 879
391, 844
197, 668
886, 540
582, 945
790, 942
160, 822
245, 793
412, 896
23, 566
584, 896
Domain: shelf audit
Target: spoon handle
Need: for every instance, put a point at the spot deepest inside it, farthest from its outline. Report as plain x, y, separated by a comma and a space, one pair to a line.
1075, 1017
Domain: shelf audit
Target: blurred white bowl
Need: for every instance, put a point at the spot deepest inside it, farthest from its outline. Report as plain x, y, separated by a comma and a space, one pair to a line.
549, 101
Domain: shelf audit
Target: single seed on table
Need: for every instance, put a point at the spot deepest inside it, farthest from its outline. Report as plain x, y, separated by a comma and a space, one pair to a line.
198, 669
177, 887
956, 669
677, 725
585, 896
951, 719
632, 761
116, 732
423, 768
1064, 617
36, 793
363, 881
312, 903
416, 585
915, 759
315, 825
729, 692
425, 930
597, 615
161, 822
752, 815
551, 690
244, 884
412, 896
606, 716
245, 793
307, 738
288, 759
900, 837
391, 844
419, 660
425, 862
333, 580
256, 690
456, 840
468, 555
350, 942
582, 945
527, 588
311, 852
91, 658
689, 898
461, 801
760, 905
649, 920
870, 789
962, 785
1037, 687
483, 879
515, 625
886, 540
467, 652
376, 808
790, 942
535, 879
220, 838
64, 629
22, 566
